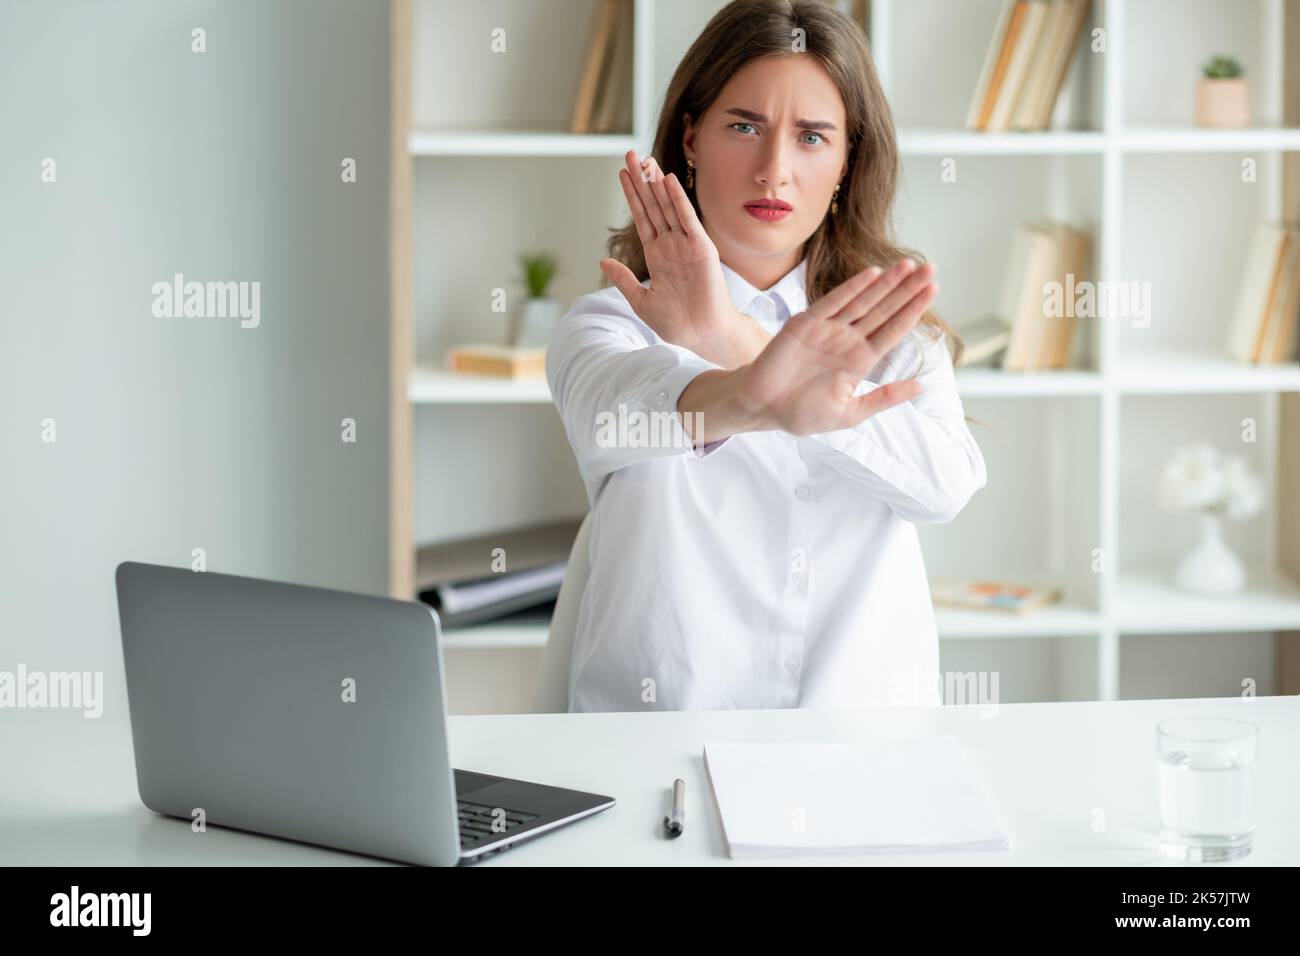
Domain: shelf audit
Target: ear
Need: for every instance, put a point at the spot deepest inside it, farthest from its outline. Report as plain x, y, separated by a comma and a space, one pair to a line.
688, 136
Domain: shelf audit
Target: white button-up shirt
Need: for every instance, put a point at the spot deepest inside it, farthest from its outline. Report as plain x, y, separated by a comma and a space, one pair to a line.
763, 569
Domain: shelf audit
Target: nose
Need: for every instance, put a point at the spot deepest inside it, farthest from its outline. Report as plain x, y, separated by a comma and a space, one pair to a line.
774, 165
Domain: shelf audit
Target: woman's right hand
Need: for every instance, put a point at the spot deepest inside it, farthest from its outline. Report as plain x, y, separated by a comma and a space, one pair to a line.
803, 381
688, 302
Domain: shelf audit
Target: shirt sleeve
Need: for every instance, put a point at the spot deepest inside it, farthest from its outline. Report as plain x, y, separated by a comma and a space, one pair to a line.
919, 457
616, 387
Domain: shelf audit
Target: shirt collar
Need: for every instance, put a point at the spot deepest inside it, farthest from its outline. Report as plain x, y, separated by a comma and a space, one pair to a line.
790, 288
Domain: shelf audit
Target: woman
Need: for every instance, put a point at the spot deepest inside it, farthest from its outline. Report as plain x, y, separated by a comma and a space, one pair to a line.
761, 551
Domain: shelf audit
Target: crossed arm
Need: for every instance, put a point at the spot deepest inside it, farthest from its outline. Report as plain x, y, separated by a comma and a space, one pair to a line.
902, 440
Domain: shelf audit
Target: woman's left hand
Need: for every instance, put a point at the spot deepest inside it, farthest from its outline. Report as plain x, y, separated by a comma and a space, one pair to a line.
688, 302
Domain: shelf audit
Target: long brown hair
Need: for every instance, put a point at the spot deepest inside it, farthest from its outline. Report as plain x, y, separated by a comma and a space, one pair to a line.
857, 236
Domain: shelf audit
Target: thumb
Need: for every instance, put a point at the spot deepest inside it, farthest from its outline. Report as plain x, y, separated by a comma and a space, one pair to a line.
624, 280
884, 398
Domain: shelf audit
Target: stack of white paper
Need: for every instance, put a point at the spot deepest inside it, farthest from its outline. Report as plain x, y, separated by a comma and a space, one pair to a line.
889, 795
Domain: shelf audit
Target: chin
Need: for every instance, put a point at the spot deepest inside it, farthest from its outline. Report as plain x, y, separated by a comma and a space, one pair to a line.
774, 245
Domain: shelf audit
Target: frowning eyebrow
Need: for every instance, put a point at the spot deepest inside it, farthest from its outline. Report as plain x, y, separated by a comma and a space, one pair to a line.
760, 118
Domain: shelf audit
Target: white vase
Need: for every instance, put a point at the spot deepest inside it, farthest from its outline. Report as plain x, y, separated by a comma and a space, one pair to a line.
1212, 567
537, 323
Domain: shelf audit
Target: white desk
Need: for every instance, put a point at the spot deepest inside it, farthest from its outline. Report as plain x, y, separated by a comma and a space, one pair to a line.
70, 797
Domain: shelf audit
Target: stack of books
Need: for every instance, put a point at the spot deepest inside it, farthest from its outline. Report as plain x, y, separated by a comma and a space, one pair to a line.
1035, 324
1264, 323
1026, 64
603, 103
497, 361
491, 576
1006, 596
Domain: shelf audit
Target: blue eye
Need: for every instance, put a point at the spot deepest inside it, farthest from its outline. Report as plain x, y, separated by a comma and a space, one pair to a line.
820, 138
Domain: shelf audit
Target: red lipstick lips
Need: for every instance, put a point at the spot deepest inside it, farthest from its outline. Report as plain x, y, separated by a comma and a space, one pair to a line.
768, 210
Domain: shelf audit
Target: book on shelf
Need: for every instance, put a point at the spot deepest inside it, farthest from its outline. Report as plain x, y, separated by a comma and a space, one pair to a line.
1020, 336
1263, 328
1026, 64
603, 101
485, 577
462, 603
497, 361
984, 595
983, 341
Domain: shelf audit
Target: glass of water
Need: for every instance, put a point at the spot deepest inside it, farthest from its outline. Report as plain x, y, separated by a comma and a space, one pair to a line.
1207, 787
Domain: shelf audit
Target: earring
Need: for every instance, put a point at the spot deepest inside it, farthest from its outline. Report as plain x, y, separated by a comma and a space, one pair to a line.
690, 174
834, 205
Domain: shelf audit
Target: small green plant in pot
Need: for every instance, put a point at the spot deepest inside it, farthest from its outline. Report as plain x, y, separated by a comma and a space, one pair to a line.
536, 320
1222, 94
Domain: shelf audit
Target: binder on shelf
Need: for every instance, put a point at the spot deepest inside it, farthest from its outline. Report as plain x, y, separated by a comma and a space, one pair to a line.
462, 603
1263, 325
1074, 253
1277, 344
1064, 43
603, 102
1046, 328
1025, 65
995, 63
1042, 253
1033, 255
1026, 40
614, 114
485, 577
467, 558
1024, 111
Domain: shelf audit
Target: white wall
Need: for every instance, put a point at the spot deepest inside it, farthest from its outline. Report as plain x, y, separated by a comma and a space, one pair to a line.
181, 433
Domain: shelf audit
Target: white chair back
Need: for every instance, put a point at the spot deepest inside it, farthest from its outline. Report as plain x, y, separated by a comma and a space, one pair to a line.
551, 691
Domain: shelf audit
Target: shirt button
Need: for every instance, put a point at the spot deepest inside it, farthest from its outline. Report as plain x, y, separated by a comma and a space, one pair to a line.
792, 663
799, 578
802, 492
660, 398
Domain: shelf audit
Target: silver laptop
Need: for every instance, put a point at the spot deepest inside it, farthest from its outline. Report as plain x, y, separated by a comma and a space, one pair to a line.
310, 714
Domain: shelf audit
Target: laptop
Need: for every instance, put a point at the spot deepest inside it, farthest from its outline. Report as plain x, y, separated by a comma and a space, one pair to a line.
310, 714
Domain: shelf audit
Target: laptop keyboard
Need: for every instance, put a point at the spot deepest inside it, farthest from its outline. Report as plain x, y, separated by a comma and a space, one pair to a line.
476, 822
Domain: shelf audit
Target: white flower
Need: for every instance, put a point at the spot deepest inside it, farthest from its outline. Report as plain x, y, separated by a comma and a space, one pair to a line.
1198, 478
1244, 491
1191, 479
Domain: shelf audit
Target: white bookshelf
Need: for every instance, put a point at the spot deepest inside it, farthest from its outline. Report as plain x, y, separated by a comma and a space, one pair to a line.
1072, 454
455, 143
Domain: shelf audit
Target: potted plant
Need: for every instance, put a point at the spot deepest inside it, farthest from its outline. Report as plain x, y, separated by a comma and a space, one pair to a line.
1198, 479
1222, 95
540, 312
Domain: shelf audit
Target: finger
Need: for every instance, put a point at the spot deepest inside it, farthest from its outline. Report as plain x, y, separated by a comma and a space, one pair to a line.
624, 280
643, 190
644, 228
660, 190
892, 332
861, 307
898, 298
846, 313
831, 303
690, 222
884, 398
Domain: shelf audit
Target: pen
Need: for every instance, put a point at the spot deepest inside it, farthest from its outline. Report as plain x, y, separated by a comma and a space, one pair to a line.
676, 819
